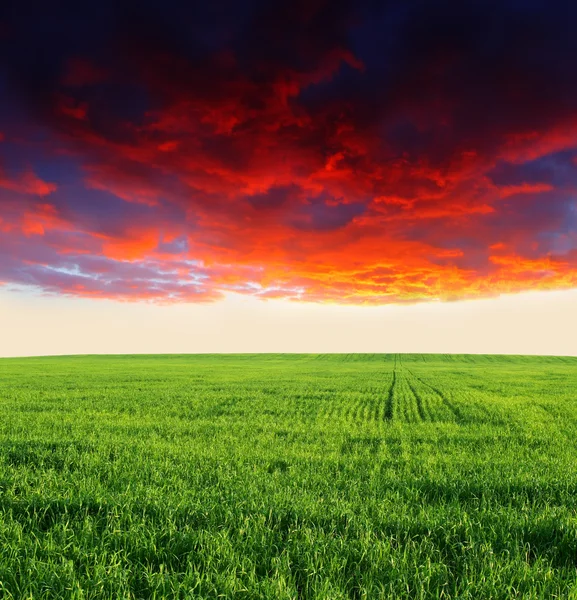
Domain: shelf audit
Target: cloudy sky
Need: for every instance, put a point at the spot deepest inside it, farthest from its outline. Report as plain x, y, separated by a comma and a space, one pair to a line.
346, 175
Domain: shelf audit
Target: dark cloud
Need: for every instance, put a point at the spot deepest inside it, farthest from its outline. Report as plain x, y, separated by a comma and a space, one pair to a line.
323, 213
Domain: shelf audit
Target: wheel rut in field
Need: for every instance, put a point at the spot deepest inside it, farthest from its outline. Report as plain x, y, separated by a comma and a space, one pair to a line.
418, 400
389, 404
402, 401
408, 397
450, 405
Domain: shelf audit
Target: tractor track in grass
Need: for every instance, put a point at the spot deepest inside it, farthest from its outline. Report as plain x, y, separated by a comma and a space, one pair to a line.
402, 401
450, 405
389, 404
414, 411
418, 400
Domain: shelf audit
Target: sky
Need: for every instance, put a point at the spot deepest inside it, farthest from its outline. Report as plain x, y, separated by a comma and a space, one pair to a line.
531, 323
374, 176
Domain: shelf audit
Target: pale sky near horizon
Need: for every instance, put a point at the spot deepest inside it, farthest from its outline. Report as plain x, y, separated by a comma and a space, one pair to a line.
524, 323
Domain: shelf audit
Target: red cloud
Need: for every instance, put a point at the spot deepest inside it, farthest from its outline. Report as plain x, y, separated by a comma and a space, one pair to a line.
70, 108
299, 155
42, 218
27, 182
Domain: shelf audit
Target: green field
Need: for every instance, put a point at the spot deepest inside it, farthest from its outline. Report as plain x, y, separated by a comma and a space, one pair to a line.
288, 476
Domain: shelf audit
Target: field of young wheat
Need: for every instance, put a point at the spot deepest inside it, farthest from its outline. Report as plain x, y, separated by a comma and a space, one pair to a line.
288, 476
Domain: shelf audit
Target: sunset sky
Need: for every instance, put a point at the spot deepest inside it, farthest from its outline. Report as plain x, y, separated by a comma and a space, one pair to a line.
292, 168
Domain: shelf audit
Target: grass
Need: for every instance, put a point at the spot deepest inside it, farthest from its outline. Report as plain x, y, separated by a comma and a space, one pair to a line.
297, 476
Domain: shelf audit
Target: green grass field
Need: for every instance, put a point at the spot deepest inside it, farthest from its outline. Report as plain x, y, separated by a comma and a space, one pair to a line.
288, 476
